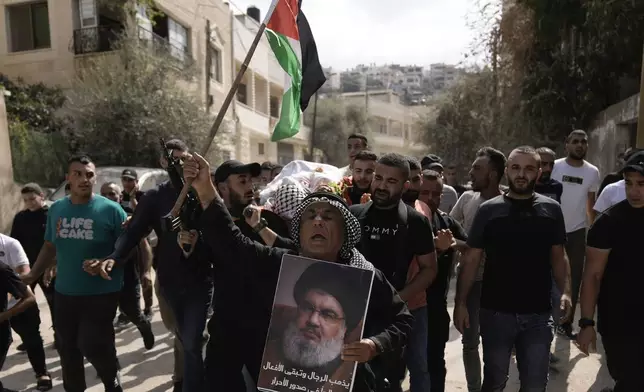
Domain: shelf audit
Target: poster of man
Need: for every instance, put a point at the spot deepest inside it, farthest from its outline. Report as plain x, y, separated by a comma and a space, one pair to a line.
319, 307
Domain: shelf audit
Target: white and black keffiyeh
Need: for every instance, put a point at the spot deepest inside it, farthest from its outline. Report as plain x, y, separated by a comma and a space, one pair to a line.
286, 200
352, 231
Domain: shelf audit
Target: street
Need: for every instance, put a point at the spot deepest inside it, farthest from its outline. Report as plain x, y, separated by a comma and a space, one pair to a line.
150, 371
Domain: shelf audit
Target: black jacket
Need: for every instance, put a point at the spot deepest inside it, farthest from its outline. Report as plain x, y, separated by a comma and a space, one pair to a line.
29, 229
174, 271
388, 320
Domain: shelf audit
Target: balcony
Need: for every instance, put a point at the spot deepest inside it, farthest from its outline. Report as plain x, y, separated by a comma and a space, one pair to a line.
102, 39
97, 39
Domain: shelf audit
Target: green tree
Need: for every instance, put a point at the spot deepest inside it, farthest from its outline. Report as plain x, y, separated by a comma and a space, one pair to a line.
468, 118
123, 102
334, 122
36, 128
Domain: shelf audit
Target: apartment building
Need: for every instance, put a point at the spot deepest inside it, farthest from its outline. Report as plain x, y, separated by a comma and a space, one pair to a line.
441, 77
394, 126
47, 43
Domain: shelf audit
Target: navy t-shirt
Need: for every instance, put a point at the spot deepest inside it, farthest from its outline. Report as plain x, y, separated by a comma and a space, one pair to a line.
517, 236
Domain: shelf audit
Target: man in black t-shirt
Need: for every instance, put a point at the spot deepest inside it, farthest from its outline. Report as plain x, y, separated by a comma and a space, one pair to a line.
131, 193
612, 276
522, 234
10, 283
231, 324
546, 185
393, 233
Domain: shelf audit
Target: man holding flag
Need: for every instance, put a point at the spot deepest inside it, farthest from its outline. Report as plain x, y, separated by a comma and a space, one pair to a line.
234, 341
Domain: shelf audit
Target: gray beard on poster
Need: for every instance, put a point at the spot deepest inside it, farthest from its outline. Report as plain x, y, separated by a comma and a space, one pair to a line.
301, 351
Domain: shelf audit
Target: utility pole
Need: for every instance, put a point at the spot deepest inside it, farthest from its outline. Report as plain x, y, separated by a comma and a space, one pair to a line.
640, 118
208, 66
366, 94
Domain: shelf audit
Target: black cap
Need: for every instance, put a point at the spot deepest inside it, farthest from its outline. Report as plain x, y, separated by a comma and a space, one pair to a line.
235, 167
435, 166
429, 159
129, 173
349, 286
635, 163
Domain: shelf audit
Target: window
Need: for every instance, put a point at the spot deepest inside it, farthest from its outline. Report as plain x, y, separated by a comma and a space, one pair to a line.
215, 64
28, 27
274, 107
242, 94
260, 148
178, 39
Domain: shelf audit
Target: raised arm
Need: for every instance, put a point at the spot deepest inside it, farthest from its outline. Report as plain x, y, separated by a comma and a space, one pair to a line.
137, 229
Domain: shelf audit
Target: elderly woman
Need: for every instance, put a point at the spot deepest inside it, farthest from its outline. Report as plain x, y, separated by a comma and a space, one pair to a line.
323, 229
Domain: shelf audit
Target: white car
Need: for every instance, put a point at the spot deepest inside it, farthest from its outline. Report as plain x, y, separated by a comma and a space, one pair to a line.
148, 179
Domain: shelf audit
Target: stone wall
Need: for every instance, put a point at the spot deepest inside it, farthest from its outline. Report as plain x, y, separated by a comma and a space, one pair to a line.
612, 132
10, 200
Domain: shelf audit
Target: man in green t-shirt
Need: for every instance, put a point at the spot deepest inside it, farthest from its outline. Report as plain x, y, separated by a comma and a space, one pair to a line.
80, 227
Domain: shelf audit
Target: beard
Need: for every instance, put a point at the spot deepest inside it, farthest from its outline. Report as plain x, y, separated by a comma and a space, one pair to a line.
237, 204
545, 176
382, 198
410, 196
578, 155
308, 354
529, 188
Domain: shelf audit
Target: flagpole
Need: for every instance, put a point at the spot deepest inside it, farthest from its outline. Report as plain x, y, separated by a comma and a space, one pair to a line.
312, 136
240, 74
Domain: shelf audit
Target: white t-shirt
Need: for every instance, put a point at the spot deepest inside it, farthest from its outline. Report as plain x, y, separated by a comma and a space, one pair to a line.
577, 183
612, 194
464, 212
13, 255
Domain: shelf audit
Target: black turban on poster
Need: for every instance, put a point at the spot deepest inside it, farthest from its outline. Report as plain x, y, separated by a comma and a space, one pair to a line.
349, 286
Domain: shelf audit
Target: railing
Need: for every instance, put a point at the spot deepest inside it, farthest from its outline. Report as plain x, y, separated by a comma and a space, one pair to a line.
96, 39
104, 39
163, 47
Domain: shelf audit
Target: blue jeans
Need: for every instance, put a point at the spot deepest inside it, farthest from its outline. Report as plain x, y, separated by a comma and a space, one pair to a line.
472, 339
190, 308
530, 334
416, 352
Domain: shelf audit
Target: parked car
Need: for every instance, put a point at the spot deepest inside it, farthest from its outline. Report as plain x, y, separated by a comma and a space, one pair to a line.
148, 179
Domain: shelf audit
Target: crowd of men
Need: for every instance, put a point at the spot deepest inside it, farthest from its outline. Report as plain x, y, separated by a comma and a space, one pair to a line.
525, 260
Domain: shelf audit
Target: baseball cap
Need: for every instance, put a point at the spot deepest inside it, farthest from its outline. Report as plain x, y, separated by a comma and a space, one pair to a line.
635, 163
129, 173
430, 159
236, 167
436, 166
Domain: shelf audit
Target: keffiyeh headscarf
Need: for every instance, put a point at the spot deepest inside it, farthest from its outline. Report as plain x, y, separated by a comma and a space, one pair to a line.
286, 200
352, 230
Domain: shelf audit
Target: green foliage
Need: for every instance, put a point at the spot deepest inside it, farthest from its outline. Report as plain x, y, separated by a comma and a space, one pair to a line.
36, 130
35, 104
37, 156
124, 101
467, 119
583, 56
334, 122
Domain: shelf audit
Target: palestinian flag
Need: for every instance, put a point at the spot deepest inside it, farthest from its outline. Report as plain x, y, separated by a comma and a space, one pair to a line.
290, 38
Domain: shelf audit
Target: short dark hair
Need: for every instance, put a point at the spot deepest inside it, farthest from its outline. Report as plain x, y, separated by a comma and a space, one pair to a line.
267, 165
80, 158
576, 132
414, 164
365, 155
496, 158
529, 150
630, 151
359, 136
431, 175
396, 160
546, 151
32, 187
176, 144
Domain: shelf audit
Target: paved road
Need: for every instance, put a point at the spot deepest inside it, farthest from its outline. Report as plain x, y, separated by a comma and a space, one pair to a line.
150, 371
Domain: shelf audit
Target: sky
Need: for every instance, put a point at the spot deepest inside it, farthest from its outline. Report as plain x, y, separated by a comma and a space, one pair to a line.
352, 32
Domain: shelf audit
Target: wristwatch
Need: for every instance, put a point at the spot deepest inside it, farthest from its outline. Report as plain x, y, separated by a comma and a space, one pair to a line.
584, 322
260, 226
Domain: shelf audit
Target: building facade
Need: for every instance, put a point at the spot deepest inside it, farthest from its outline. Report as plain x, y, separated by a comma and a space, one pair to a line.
394, 126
